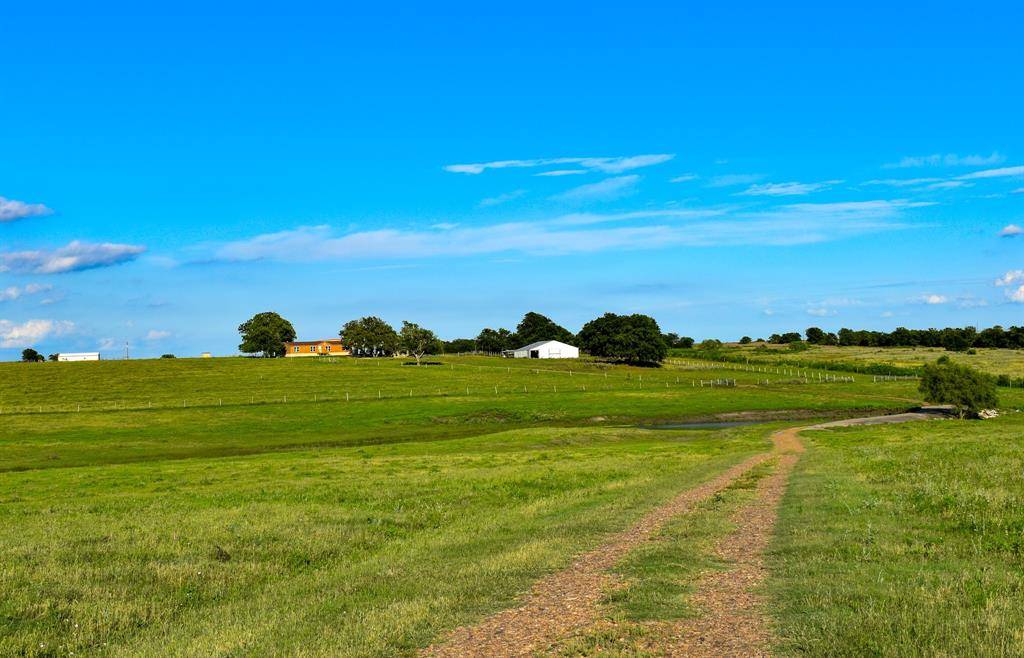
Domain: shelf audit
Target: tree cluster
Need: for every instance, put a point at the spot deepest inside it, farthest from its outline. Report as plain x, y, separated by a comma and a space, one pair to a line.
533, 328
951, 338
29, 355
629, 338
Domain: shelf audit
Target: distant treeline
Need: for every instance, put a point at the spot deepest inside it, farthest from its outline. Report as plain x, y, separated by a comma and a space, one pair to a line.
955, 339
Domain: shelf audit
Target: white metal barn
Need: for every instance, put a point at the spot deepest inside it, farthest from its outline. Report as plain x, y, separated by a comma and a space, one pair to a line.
545, 349
78, 356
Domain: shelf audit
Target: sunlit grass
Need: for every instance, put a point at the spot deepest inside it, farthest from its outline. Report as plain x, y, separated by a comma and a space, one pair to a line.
905, 540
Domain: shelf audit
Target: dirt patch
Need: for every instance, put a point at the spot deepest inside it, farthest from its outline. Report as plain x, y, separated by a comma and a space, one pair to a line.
567, 601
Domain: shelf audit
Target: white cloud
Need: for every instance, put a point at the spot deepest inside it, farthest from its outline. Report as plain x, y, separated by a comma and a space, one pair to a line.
74, 256
946, 160
1019, 190
804, 223
31, 332
1002, 172
947, 185
502, 198
902, 182
787, 189
562, 172
1016, 295
11, 210
1010, 277
157, 334
728, 180
820, 312
684, 178
14, 292
1010, 230
586, 218
615, 165
933, 299
107, 344
606, 190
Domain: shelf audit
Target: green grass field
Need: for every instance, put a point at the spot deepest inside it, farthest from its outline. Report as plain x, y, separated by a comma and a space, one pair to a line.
994, 361
188, 509
905, 540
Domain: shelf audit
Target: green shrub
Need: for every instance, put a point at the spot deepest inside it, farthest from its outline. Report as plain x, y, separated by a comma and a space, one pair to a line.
967, 389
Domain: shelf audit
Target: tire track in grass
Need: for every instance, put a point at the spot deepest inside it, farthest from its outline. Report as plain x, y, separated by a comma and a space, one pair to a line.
568, 600
733, 620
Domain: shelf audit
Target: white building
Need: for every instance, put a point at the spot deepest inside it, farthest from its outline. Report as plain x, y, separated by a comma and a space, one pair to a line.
78, 356
545, 349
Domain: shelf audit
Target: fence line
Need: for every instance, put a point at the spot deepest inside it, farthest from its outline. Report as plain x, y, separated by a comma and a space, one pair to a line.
380, 394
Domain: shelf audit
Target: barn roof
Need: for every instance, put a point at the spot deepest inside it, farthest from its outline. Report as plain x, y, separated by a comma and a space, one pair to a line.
533, 346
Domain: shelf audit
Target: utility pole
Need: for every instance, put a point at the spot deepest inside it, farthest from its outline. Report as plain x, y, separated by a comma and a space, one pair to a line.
125, 350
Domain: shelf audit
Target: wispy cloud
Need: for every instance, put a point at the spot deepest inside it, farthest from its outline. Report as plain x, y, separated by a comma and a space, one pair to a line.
794, 224
562, 172
614, 165
1011, 230
728, 180
11, 209
14, 292
947, 185
932, 299
74, 256
157, 334
820, 312
1002, 172
605, 190
902, 182
31, 332
684, 178
787, 189
586, 219
946, 160
502, 198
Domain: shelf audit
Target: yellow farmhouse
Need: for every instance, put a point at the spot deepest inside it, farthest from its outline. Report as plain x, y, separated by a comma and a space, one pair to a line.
326, 347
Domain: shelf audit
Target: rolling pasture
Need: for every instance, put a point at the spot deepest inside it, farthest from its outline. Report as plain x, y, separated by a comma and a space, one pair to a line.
248, 507
993, 361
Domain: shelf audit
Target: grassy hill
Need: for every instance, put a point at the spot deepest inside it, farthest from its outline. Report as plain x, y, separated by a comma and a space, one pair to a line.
190, 507
993, 361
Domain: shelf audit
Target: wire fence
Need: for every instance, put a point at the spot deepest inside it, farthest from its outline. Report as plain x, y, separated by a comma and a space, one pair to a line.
590, 378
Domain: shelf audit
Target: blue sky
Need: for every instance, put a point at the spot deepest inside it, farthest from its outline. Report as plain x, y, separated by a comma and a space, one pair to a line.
729, 168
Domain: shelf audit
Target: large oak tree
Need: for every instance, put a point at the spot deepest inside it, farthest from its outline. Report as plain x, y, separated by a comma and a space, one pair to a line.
630, 338
369, 336
265, 333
